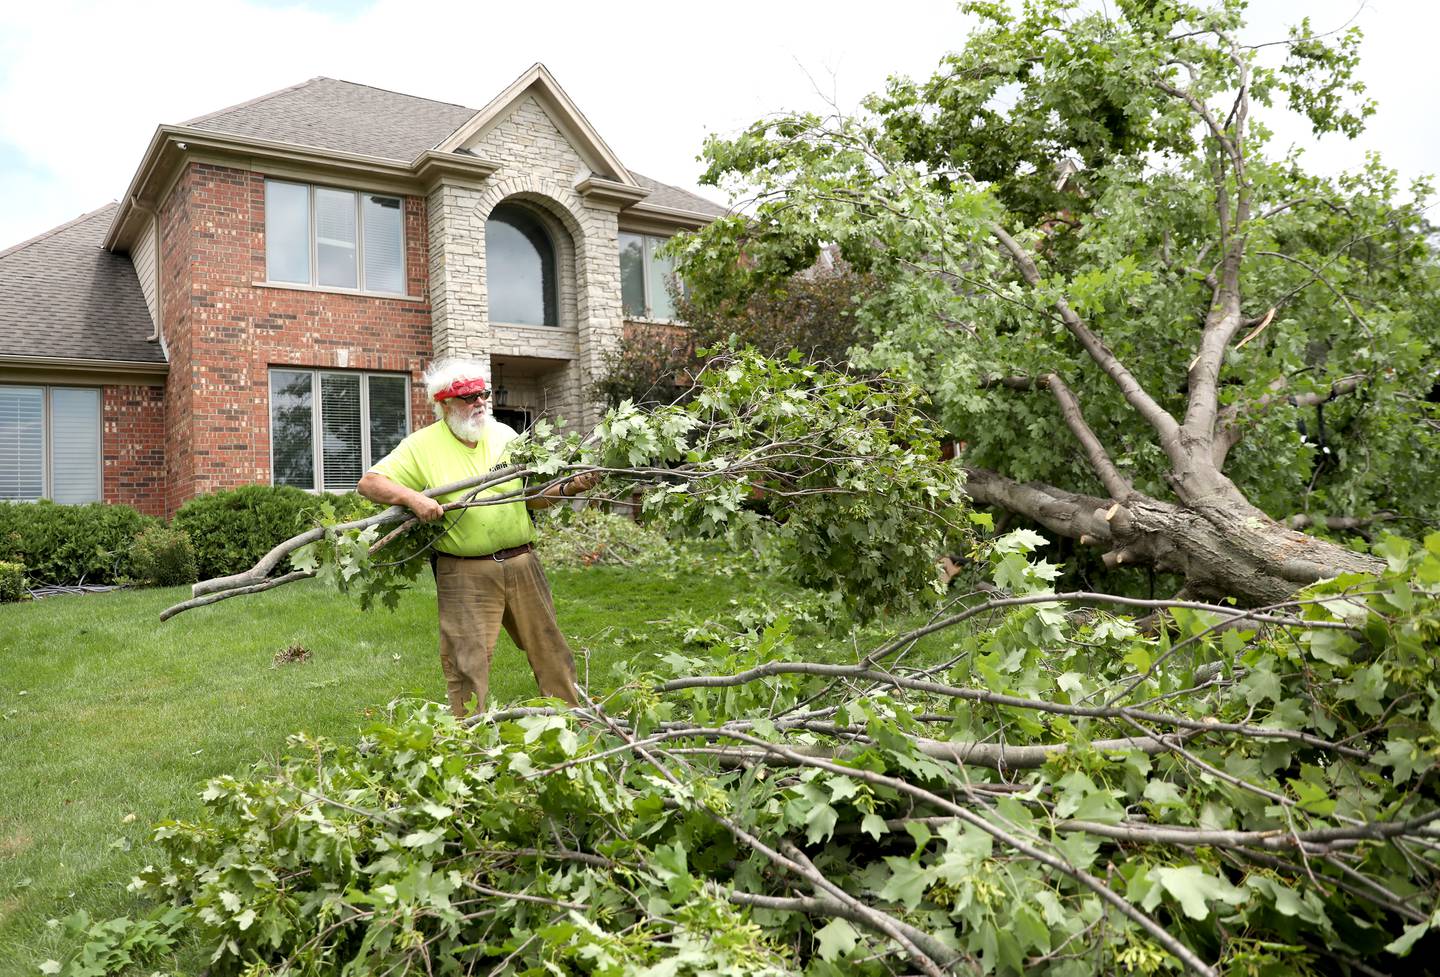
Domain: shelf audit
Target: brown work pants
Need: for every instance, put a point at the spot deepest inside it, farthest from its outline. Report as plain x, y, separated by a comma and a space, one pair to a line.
476, 597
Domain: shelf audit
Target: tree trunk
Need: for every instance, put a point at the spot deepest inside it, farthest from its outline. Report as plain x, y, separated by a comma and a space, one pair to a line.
1221, 544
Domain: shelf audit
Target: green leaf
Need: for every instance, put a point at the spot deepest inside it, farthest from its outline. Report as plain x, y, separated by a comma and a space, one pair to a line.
1030, 930
820, 823
836, 939
1193, 889
1331, 646
874, 826
908, 881
1401, 946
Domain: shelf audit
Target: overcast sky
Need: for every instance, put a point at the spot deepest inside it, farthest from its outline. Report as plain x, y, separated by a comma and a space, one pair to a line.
84, 84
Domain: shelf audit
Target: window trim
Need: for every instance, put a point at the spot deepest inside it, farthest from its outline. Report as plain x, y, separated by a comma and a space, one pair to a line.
47, 460
649, 313
314, 283
317, 453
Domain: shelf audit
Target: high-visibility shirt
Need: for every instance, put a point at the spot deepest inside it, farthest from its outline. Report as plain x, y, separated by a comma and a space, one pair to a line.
434, 456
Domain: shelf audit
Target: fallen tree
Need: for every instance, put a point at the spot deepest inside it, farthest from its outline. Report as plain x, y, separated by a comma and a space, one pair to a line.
1025, 785
1151, 337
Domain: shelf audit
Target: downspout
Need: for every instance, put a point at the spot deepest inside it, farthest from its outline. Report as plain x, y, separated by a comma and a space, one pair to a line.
158, 334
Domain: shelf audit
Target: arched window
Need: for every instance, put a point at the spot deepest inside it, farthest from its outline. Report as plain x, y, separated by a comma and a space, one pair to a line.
519, 268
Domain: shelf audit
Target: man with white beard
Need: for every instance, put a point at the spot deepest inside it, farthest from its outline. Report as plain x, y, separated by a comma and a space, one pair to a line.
486, 575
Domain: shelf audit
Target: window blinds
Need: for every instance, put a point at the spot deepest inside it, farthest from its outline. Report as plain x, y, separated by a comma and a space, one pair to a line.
22, 442
74, 445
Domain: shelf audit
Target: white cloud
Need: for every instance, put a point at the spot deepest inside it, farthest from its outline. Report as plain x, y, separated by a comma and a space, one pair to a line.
83, 84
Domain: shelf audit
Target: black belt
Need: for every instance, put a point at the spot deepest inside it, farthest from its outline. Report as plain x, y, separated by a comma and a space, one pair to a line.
499, 556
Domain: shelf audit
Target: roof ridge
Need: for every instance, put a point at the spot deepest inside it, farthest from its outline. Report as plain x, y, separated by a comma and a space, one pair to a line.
54, 230
253, 101
391, 91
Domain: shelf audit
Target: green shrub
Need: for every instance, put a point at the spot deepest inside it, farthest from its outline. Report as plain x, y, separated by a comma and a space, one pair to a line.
233, 528
163, 557
12, 581
71, 544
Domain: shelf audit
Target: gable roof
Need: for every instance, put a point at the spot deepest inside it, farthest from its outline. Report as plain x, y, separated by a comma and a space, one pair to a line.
346, 117
540, 84
63, 296
343, 116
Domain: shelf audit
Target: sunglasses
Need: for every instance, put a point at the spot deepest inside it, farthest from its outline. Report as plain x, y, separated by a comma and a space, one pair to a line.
480, 395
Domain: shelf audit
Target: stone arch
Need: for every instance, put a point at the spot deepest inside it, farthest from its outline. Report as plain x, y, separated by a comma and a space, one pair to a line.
560, 210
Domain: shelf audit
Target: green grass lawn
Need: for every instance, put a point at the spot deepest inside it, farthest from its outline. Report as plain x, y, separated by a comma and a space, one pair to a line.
111, 721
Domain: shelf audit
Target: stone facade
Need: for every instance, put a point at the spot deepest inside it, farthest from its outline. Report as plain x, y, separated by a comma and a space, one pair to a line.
552, 367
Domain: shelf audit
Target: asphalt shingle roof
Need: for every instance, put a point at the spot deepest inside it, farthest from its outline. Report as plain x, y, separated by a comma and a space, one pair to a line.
342, 116
664, 195
61, 294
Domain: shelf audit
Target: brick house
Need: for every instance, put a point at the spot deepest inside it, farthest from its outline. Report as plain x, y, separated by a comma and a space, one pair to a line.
259, 304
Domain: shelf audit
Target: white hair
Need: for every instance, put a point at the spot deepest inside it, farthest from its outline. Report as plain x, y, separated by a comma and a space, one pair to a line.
445, 371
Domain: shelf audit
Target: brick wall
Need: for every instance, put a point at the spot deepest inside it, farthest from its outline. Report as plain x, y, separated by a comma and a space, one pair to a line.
224, 332
133, 445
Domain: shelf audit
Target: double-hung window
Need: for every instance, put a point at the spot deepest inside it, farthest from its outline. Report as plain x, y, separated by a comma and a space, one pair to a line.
50, 443
327, 428
329, 238
645, 277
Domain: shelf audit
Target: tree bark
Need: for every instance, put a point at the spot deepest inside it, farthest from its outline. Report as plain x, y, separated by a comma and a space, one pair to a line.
1221, 544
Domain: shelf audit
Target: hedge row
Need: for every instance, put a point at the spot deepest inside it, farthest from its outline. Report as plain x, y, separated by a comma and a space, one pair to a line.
211, 535
233, 529
70, 544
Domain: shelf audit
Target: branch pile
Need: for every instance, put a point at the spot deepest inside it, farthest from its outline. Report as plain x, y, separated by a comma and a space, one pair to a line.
1025, 785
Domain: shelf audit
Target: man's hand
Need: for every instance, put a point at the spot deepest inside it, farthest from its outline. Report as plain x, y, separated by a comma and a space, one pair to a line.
378, 488
425, 508
581, 483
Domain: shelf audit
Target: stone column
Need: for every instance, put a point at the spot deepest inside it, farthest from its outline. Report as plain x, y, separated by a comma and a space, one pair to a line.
458, 303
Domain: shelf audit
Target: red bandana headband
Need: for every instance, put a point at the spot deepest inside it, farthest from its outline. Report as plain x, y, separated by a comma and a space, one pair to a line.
462, 388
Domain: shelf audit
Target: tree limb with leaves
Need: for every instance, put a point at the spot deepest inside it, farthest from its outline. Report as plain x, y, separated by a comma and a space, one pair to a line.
843, 474
1042, 789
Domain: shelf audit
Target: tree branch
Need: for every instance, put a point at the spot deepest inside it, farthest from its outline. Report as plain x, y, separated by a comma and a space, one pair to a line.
1065, 513
1305, 520
1135, 394
1231, 421
1316, 275
1115, 483
1079, 875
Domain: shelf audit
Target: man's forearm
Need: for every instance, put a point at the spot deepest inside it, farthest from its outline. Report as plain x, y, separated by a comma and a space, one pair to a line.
378, 488
568, 489
548, 498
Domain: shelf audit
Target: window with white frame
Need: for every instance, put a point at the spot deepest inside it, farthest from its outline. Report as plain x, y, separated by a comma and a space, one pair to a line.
330, 238
645, 277
327, 428
49, 443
